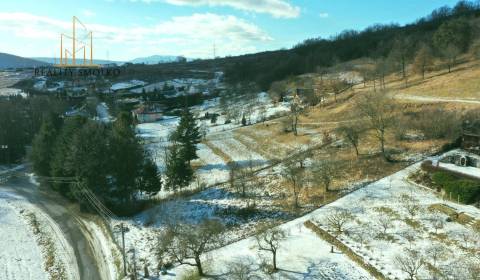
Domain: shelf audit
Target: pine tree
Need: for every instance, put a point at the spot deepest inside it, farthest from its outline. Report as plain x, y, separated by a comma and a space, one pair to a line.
150, 182
127, 157
179, 173
88, 158
42, 147
61, 152
187, 135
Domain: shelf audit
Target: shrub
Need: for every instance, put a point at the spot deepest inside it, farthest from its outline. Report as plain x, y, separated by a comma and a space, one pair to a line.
437, 124
467, 190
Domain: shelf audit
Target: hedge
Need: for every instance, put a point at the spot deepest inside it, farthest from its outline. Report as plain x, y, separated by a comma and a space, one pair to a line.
467, 190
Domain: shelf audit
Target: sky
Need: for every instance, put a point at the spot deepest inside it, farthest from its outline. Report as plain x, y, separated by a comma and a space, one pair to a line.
126, 29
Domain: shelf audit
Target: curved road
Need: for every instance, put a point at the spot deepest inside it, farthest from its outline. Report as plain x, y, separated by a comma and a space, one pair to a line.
69, 222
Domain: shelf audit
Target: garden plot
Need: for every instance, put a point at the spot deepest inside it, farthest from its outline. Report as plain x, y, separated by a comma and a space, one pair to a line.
213, 168
393, 222
237, 151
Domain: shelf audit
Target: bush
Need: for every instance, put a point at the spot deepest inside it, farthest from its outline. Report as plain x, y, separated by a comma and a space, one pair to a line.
467, 190
437, 124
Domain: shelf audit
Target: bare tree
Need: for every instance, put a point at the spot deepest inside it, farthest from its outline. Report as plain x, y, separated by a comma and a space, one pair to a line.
338, 86
411, 204
352, 132
277, 91
262, 114
338, 219
268, 239
191, 241
410, 263
385, 222
437, 252
325, 171
378, 110
451, 52
438, 221
239, 176
381, 69
296, 109
423, 60
296, 177
241, 270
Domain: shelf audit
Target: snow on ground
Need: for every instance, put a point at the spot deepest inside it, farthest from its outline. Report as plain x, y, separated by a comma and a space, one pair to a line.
468, 170
103, 114
381, 250
303, 255
4, 92
308, 257
213, 168
238, 152
127, 85
155, 136
20, 255
219, 203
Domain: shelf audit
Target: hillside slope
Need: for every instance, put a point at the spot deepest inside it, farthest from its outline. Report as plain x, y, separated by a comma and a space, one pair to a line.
13, 61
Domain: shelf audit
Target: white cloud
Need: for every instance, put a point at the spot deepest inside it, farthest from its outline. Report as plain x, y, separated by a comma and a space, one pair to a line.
88, 13
184, 35
276, 8
323, 15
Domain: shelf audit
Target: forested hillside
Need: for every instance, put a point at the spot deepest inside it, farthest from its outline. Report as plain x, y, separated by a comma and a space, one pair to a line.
445, 33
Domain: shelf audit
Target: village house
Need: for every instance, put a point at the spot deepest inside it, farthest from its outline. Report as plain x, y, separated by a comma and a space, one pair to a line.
147, 113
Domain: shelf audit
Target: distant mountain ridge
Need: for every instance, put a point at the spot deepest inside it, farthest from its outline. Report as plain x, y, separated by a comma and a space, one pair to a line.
155, 59
14, 61
52, 60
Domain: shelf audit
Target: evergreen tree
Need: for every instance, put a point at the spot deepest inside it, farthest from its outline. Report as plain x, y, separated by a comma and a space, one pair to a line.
61, 152
42, 147
127, 157
179, 173
88, 158
187, 135
150, 182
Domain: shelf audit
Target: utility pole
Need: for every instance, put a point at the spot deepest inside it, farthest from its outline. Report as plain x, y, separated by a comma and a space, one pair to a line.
123, 250
134, 265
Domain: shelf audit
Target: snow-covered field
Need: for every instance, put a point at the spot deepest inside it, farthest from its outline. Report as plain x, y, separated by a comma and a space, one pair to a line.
303, 255
20, 255
383, 228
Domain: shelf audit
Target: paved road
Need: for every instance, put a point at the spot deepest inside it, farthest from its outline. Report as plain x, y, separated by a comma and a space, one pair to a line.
68, 221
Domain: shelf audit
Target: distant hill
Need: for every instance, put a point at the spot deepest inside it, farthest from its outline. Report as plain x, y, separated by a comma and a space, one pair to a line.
52, 60
155, 59
13, 61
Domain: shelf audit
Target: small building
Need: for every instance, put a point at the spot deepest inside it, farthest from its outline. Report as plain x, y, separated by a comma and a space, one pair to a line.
471, 137
145, 114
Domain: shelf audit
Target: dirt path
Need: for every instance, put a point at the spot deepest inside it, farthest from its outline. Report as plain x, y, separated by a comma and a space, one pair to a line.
70, 224
419, 98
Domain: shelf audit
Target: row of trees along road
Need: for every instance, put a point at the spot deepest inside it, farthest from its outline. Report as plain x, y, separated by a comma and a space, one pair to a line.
106, 159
